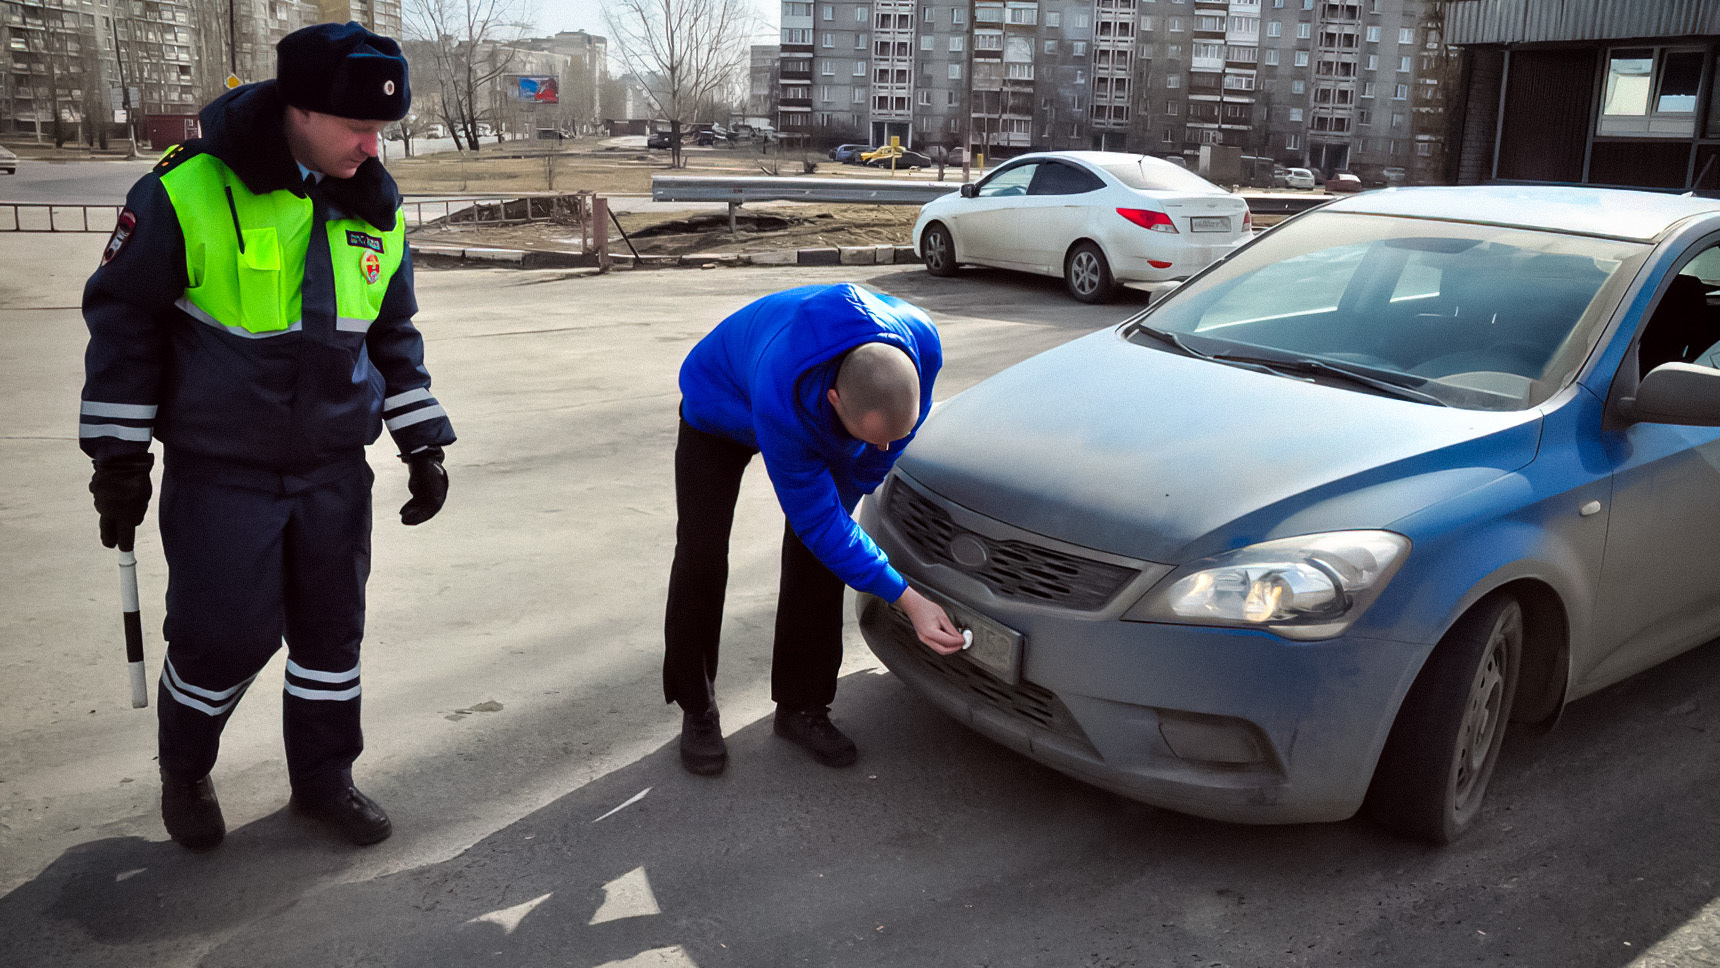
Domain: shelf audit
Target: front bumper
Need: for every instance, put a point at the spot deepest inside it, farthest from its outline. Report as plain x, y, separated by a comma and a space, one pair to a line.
1231, 724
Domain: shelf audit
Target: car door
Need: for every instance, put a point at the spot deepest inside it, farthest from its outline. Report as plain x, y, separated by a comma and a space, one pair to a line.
985, 225
1054, 214
1658, 591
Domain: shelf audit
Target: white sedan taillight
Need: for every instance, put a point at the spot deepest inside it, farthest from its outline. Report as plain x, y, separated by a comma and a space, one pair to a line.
1149, 219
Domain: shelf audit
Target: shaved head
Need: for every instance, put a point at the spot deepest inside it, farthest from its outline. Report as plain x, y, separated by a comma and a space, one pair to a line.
877, 393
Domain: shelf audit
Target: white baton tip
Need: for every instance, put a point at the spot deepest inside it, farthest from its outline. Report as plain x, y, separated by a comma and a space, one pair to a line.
967, 638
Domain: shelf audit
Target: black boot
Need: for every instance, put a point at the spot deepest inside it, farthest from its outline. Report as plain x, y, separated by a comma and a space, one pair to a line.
191, 812
355, 817
813, 729
702, 748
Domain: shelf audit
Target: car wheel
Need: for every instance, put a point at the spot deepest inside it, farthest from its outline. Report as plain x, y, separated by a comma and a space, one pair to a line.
1088, 275
1433, 773
939, 250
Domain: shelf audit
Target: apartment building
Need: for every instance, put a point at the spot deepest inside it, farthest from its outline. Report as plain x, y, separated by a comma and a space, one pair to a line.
1334, 84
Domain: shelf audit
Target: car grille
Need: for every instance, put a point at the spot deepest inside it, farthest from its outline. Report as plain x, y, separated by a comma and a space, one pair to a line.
1013, 569
1034, 705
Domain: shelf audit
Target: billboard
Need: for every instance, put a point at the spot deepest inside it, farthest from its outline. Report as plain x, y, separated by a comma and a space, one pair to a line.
536, 88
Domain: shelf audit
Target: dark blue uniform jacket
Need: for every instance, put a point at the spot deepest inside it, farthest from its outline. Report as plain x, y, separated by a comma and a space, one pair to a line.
291, 402
760, 379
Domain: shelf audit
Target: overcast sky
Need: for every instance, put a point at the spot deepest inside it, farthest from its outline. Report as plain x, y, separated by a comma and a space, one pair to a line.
587, 15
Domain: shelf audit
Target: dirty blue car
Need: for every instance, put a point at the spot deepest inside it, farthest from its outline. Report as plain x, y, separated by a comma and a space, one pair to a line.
1306, 535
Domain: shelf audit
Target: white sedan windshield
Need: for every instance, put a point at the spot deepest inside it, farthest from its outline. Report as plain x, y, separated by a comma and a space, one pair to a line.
1477, 316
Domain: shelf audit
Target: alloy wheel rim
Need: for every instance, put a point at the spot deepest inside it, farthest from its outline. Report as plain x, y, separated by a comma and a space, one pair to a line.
1483, 714
1085, 270
935, 251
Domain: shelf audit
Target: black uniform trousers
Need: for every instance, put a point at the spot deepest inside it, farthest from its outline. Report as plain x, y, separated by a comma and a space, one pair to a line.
252, 557
808, 648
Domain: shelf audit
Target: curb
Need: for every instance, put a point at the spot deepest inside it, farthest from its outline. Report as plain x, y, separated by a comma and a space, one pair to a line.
487, 257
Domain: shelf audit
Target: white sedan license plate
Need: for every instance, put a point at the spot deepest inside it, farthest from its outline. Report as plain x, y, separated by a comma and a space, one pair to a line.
1209, 223
996, 647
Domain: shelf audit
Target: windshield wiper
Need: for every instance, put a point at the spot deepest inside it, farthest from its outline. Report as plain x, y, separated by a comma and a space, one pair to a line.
1176, 341
1308, 365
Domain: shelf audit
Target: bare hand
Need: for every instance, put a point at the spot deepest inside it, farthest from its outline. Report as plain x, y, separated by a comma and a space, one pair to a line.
931, 623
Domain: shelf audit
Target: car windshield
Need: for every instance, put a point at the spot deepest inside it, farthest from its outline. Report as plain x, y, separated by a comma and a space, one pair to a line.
1475, 316
1157, 176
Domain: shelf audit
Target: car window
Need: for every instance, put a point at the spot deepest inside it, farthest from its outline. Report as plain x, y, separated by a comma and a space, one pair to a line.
1008, 181
1056, 178
1682, 328
1481, 316
1157, 175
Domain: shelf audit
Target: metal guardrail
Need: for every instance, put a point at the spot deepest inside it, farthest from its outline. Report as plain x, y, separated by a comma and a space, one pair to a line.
57, 217
741, 190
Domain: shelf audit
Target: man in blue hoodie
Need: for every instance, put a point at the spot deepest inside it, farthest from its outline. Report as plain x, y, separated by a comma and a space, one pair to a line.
828, 384
253, 309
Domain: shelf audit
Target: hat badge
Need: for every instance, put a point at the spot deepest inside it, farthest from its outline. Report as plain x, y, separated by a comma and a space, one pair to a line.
388, 87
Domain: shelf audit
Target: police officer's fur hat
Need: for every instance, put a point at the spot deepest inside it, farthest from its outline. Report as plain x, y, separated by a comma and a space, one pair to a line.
344, 70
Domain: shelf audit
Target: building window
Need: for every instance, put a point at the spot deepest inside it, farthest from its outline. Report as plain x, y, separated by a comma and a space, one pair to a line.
824, 93
1053, 18
1304, 30
829, 69
859, 41
925, 98
1082, 22
1397, 122
1650, 91
1051, 47
1274, 29
861, 14
1302, 58
1173, 81
958, 15
955, 72
1373, 62
1367, 89
1364, 116
859, 68
928, 14
1406, 35
958, 43
1078, 47
828, 40
925, 41
1400, 92
797, 35
1373, 35
1147, 22
827, 12
1298, 87
858, 96
1171, 109
1295, 114
1272, 57
793, 9
1292, 142
1166, 136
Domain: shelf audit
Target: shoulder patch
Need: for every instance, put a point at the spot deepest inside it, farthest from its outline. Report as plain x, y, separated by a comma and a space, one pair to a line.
123, 227
174, 156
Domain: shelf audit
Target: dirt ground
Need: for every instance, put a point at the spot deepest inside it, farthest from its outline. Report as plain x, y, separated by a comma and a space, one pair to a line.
777, 225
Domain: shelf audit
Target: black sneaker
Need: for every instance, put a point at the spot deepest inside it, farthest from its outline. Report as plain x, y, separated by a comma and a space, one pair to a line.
702, 748
191, 812
813, 729
355, 817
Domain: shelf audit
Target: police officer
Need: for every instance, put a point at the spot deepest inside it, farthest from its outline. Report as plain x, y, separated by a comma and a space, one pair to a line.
253, 310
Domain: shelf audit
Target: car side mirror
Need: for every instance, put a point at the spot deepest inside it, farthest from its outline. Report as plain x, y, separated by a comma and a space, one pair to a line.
970, 190
1677, 393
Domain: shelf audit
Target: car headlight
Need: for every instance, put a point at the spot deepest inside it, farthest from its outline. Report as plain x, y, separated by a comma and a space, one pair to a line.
1308, 587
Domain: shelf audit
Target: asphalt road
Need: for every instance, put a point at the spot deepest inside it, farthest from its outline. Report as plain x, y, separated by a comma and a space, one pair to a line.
516, 731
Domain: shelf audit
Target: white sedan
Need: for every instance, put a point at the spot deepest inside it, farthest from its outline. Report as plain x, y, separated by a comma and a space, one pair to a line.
1096, 218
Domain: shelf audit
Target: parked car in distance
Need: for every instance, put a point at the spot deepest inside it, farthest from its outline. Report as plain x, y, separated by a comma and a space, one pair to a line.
1299, 178
905, 159
1307, 534
1280, 177
659, 139
1394, 177
8, 161
1095, 218
849, 154
705, 139
1177, 160
1343, 183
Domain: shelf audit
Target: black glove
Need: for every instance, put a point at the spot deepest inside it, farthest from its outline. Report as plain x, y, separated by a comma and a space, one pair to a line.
428, 483
121, 488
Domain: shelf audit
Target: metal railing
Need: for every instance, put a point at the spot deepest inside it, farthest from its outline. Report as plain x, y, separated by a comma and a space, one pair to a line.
744, 189
57, 217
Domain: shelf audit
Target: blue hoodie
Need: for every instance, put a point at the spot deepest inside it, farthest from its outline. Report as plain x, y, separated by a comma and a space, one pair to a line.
760, 379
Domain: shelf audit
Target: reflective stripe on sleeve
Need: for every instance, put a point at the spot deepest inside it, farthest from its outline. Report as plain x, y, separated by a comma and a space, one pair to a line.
415, 417
125, 411
115, 430
402, 399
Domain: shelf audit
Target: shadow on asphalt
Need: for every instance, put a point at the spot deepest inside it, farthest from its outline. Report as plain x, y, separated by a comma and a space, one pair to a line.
940, 848
1009, 296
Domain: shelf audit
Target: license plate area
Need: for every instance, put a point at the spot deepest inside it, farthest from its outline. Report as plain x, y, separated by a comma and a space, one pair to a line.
1209, 223
996, 647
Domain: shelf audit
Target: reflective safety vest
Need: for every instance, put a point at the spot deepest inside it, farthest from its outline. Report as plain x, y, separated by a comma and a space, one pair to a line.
245, 254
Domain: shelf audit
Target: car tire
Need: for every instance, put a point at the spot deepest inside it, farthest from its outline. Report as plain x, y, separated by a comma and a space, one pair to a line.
1088, 275
1440, 755
938, 250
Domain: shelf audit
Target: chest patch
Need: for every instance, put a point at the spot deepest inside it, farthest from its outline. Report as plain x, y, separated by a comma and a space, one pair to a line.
363, 241
372, 267
123, 227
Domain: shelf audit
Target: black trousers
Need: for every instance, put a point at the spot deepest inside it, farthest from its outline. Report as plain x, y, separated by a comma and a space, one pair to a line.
252, 558
808, 649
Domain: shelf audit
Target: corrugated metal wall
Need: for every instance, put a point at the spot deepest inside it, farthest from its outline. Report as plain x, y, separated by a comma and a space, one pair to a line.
1546, 115
1536, 21
1485, 69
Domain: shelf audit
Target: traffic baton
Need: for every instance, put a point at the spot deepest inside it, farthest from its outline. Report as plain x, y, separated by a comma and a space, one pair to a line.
133, 624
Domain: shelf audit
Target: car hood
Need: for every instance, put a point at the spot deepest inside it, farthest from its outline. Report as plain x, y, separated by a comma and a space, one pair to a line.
1145, 453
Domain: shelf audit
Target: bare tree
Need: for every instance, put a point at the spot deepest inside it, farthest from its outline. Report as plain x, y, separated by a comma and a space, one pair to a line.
466, 41
690, 54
